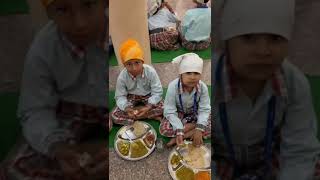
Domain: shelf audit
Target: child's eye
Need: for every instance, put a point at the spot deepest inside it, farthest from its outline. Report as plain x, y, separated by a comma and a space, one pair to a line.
137, 63
189, 73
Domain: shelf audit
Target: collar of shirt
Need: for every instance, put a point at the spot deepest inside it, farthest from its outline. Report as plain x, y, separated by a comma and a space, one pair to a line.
135, 78
228, 89
196, 89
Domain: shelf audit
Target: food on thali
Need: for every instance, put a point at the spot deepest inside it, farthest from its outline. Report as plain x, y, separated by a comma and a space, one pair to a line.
123, 147
138, 128
195, 156
175, 159
149, 139
202, 175
138, 149
185, 173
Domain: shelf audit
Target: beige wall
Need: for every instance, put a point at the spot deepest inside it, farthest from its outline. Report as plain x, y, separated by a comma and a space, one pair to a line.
128, 18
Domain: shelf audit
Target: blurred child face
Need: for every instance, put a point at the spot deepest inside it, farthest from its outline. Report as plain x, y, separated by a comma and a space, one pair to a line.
190, 79
81, 21
134, 67
257, 56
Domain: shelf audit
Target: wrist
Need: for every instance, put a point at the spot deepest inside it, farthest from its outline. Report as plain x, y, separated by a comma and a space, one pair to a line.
179, 132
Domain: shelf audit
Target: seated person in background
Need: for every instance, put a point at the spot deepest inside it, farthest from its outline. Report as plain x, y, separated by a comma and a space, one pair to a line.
138, 91
153, 6
195, 29
163, 28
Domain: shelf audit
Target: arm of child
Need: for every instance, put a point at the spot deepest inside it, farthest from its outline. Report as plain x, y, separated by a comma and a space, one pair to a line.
185, 23
170, 109
37, 106
299, 144
156, 88
167, 5
173, 18
204, 108
121, 92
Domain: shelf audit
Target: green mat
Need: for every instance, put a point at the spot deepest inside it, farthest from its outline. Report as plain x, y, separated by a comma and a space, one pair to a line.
167, 56
155, 124
14, 7
9, 124
315, 89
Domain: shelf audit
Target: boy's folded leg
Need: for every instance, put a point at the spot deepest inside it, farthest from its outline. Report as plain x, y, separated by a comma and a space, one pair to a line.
166, 129
166, 40
156, 112
195, 45
121, 117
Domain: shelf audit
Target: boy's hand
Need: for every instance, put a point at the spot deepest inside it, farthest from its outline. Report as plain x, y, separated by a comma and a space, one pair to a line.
143, 111
197, 138
131, 112
179, 140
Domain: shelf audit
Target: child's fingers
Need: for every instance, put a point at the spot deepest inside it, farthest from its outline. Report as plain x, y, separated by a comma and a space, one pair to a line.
196, 142
142, 112
179, 140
